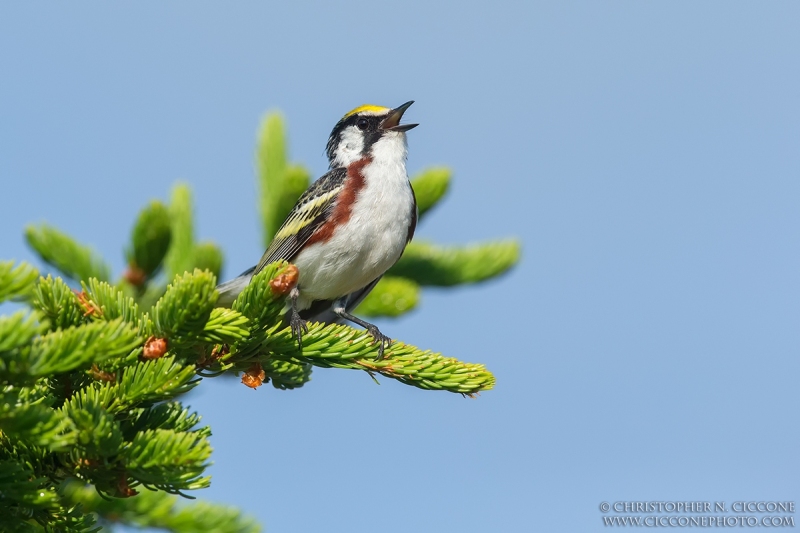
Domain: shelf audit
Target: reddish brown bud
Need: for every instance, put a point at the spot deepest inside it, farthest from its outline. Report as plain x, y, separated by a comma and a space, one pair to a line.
102, 375
124, 490
135, 275
89, 307
216, 354
154, 347
284, 282
88, 463
220, 350
254, 376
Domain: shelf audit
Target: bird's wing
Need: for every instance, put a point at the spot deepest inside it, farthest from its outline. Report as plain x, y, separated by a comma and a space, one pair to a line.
309, 213
414, 216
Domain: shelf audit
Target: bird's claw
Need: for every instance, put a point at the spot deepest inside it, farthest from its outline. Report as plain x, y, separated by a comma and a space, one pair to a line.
382, 340
298, 326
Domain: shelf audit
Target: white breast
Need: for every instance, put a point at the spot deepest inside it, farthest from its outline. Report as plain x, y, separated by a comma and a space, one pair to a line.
374, 237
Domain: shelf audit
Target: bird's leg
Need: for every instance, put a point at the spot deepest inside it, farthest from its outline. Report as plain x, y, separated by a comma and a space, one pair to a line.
382, 340
297, 324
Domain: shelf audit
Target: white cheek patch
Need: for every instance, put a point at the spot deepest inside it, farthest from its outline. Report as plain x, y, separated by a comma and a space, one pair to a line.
351, 145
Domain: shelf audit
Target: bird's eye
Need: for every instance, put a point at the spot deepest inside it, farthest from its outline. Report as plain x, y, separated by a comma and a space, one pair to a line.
362, 124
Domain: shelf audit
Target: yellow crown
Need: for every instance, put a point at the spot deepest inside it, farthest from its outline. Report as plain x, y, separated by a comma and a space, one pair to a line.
375, 109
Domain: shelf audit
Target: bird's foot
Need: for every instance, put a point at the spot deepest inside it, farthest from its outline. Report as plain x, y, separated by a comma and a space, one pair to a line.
382, 340
299, 326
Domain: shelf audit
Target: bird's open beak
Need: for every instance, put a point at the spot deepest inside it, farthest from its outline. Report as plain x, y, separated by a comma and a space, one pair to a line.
392, 122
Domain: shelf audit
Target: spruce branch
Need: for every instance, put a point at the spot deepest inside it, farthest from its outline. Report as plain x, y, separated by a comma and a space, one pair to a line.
33, 421
16, 331
430, 186
64, 520
58, 249
262, 307
19, 483
180, 257
158, 510
166, 415
58, 303
16, 281
259, 301
392, 296
340, 346
208, 256
150, 241
84, 395
98, 433
286, 374
109, 302
147, 382
24, 496
183, 254
64, 350
225, 326
429, 264
184, 310
169, 460
263, 303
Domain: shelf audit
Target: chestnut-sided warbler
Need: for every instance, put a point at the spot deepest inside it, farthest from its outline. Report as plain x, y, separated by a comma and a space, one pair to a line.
349, 227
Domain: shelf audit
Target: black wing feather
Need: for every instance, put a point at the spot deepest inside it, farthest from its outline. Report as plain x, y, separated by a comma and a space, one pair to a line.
286, 247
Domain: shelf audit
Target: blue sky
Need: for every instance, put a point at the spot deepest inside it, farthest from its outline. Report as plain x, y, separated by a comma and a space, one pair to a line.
645, 153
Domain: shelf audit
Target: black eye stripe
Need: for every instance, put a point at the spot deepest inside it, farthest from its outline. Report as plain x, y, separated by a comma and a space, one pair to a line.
362, 123
372, 131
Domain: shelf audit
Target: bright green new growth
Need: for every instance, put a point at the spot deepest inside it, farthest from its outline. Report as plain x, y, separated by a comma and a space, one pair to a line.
430, 186
208, 256
184, 255
91, 374
15, 280
150, 239
58, 249
428, 264
110, 303
280, 184
179, 256
159, 510
57, 302
393, 296
69, 349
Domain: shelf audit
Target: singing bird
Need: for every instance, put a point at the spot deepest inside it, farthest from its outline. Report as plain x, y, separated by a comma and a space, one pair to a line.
349, 227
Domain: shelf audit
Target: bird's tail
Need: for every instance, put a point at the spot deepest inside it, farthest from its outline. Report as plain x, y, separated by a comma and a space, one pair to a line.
229, 290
